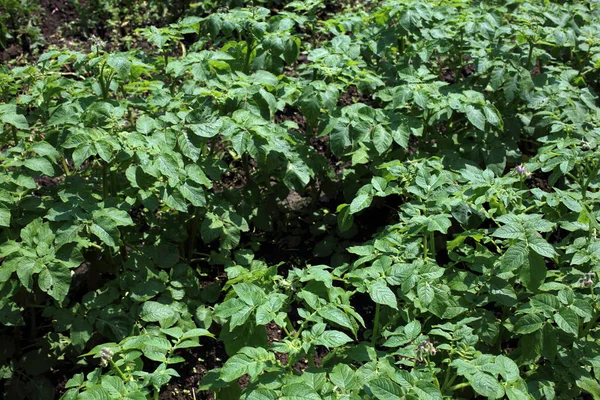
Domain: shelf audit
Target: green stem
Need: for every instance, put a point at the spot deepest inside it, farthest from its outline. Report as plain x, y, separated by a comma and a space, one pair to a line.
105, 181
591, 176
248, 52
589, 325
15, 137
113, 183
425, 247
192, 238
432, 244
246, 161
375, 324
460, 386
65, 166
116, 368
529, 66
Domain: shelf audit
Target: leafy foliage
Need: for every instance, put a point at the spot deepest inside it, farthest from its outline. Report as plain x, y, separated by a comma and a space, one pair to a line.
438, 185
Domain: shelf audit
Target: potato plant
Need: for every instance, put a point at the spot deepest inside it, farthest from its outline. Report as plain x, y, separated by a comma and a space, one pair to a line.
392, 200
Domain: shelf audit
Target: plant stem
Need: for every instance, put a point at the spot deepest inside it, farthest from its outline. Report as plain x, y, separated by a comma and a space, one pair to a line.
432, 244
15, 137
460, 386
65, 166
589, 325
105, 181
529, 66
248, 52
116, 368
375, 324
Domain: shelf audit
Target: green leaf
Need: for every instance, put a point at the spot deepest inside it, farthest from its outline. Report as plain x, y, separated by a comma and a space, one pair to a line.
207, 130
509, 369
425, 293
514, 257
8, 115
343, 377
297, 170
153, 311
193, 194
299, 391
491, 115
120, 64
333, 314
538, 244
568, 321
248, 361
104, 235
475, 117
39, 164
529, 323
382, 139
509, 232
385, 389
25, 270
590, 386
533, 272
241, 141
55, 279
4, 216
380, 293
549, 342
438, 222
188, 147
361, 202
145, 124
332, 339
168, 166
345, 220
486, 385
83, 152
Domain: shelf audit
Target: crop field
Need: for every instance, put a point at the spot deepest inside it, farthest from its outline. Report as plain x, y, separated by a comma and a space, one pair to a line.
289, 200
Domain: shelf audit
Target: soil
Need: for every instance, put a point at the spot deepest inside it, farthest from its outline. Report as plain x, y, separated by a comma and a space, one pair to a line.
198, 361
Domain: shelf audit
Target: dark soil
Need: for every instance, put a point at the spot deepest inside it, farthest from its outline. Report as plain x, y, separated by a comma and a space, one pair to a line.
198, 361
57, 13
